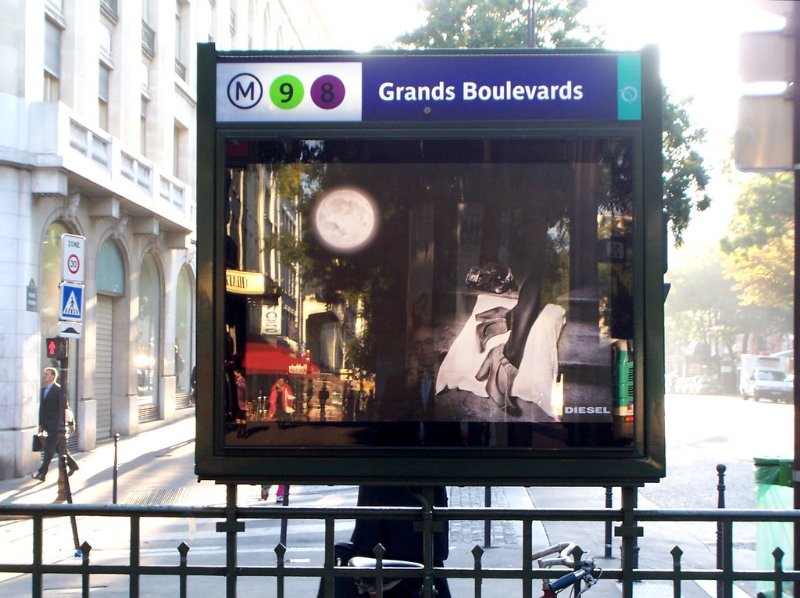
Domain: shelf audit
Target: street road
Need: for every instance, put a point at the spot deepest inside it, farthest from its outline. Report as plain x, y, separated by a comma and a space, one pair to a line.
702, 431
706, 430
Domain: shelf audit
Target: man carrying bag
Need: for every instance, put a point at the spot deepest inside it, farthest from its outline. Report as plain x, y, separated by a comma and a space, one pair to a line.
52, 421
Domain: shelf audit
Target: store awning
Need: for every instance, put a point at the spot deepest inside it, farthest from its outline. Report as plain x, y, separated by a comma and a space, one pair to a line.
264, 358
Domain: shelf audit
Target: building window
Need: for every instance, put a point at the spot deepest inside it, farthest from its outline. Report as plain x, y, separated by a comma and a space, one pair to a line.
146, 360
110, 270
143, 126
148, 34
184, 332
105, 41
181, 38
181, 147
52, 61
103, 95
146, 76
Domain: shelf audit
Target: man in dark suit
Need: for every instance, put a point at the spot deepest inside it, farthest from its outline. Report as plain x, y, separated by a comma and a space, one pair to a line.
52, 408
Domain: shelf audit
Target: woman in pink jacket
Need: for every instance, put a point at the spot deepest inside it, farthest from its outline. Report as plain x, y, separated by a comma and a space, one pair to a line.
279, 398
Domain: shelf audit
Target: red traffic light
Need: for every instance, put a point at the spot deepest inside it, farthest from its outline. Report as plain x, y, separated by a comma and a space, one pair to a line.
56, 348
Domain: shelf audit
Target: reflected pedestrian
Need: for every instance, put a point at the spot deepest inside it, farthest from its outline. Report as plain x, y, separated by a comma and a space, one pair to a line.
323, 396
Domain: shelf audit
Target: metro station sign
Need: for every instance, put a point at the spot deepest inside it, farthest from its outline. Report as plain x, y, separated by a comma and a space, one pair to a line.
470, 87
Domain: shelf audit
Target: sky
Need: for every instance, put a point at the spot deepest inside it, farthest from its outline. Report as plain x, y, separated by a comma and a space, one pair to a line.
698, 41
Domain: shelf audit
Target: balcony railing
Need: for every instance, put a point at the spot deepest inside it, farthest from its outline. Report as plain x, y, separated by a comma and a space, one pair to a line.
90, 144
93, 155
109, 7
136, 171
173, 191
148, 39
180, 69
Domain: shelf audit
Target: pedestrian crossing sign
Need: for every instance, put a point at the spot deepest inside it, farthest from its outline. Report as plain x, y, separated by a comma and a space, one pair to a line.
71, 302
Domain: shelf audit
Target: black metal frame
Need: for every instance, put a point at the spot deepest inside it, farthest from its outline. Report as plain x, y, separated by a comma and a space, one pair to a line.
645, 462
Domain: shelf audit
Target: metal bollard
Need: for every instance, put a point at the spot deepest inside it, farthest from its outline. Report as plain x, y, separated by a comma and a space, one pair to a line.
115, 470
284, 521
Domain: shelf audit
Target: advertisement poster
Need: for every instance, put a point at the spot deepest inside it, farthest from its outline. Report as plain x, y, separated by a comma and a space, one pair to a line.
465, 291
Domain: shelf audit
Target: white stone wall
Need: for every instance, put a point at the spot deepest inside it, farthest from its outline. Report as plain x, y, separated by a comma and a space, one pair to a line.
56, 164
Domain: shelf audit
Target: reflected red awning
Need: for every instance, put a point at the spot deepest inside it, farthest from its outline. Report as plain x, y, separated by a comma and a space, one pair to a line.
264, 358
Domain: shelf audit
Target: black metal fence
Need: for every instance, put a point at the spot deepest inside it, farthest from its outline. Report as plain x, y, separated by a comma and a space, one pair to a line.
275, 571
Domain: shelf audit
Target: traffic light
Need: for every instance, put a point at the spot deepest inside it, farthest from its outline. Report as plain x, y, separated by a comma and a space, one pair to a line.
56, 348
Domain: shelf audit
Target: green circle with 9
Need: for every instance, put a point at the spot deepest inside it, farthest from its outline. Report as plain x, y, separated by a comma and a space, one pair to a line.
286, 92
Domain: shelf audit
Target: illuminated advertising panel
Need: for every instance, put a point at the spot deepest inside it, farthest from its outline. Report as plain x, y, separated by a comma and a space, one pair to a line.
453, 264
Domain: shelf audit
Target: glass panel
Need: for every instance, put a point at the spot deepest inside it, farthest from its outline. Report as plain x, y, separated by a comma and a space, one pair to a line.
52, 48
184, 312
436, 292
110, 270
102, 86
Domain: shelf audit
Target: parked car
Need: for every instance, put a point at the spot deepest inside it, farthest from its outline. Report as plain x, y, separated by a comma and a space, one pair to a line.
769, 383
705, 385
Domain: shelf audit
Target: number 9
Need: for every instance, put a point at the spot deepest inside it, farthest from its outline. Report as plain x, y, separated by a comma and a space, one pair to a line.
287, 92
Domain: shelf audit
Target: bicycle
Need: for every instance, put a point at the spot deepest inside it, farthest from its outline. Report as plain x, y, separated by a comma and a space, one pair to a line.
583, 576
367, 585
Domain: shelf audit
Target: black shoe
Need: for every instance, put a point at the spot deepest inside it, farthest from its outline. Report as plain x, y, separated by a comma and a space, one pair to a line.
492, 278
72, 470
38, 476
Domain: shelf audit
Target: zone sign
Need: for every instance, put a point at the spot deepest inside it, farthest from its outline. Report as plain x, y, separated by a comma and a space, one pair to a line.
72, 258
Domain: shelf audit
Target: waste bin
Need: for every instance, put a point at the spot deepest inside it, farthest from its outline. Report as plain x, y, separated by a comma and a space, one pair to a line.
773, 491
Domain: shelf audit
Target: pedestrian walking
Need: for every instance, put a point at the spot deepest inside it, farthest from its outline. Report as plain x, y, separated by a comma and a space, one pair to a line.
52, 420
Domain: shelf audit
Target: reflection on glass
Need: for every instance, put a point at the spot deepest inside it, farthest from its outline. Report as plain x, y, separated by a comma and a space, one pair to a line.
429, 292
149, 325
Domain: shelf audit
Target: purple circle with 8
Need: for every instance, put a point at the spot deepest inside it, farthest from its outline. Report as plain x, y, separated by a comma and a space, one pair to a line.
327, 92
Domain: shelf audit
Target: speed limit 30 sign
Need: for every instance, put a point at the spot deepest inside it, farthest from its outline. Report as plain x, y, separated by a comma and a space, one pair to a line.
72, 258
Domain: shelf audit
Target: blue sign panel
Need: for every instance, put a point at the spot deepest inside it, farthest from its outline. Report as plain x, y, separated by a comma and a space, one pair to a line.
71, 302
406, 88
491, 88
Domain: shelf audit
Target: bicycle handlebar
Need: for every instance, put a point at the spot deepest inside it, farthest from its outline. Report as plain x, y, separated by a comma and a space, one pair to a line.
565, 556
583, 570
567, 580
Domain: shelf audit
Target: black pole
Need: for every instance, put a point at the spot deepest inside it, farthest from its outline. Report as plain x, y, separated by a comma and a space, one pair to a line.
487, 525
114, 471
609, 532
794, 27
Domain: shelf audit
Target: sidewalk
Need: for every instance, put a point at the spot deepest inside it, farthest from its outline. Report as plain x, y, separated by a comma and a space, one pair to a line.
157, 467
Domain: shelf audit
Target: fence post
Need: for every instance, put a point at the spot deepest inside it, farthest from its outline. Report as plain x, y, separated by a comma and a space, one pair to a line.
230, 527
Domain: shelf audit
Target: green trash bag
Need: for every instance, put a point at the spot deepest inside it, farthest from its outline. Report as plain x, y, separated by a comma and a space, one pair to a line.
773, 491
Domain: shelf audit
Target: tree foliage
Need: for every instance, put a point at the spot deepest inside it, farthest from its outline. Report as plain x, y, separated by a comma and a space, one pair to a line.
499, 24
759, 247
505, 24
